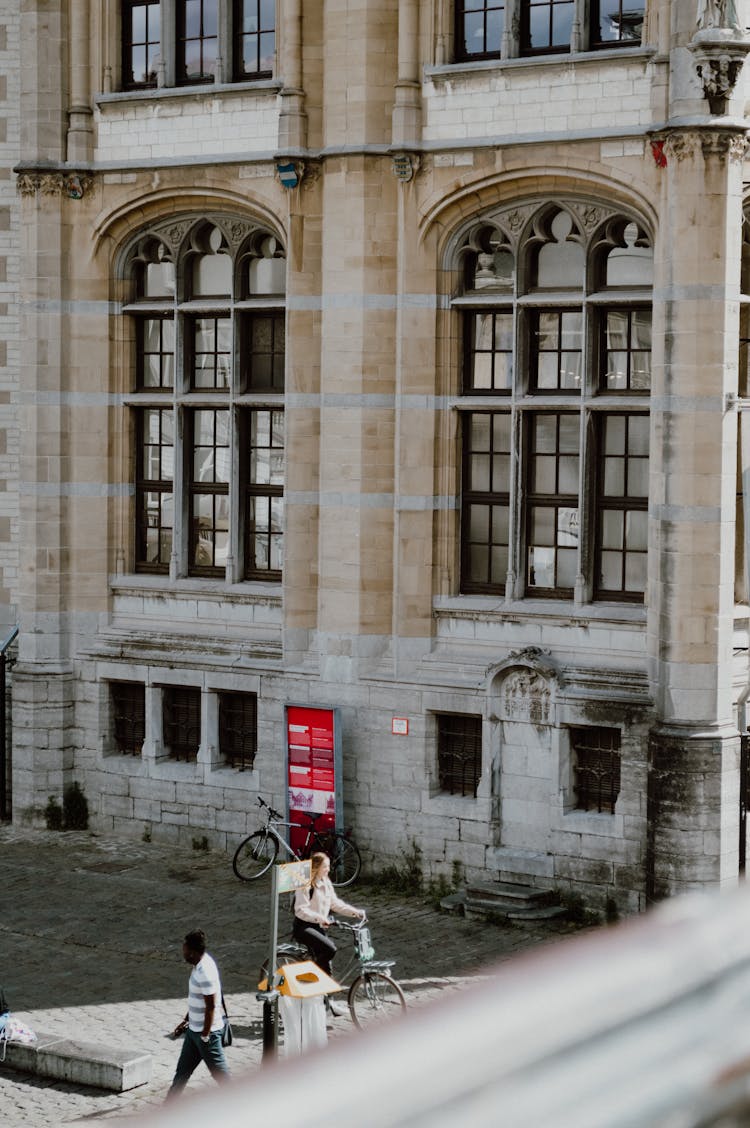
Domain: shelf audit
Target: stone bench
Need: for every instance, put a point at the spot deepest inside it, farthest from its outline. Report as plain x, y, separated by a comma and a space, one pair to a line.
80, 1063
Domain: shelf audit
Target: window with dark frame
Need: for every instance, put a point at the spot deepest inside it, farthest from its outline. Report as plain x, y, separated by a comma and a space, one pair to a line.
556, 350
622, 506
552, 511
551, 501
181, 721
488, 362
480, 25
238, 729
263, 452
208, 448
482, 28
254, 38
626, 349
459, 753
197, 40
210, 353
214, 527
546, 26
616, 23
154, 501
128, 705
141, 43
263, 354
155, 352
596, 768
486, 500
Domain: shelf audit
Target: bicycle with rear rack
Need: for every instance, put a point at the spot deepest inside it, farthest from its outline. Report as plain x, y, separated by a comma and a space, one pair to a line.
374, 995
257, 853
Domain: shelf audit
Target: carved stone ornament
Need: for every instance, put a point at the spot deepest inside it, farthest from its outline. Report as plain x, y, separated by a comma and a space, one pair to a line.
682, 145
72, 185
522, 686
719, 49
726, 146
525, 696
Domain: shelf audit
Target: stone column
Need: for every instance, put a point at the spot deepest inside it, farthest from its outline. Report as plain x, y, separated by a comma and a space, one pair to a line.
407, 110
693, 800
42, 678
292, 117
80, 132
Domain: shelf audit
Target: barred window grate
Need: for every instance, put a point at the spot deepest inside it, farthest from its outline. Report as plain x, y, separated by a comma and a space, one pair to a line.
459, 753
182, 722
238, 729
128, 716
596, 768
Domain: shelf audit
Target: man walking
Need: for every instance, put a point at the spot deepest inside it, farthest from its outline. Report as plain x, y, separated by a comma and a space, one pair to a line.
203, 1023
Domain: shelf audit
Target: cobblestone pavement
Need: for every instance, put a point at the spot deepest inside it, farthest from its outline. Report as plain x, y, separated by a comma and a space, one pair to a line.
90, 936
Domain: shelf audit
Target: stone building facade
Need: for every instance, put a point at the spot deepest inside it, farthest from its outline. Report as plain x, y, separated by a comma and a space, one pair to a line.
388, 356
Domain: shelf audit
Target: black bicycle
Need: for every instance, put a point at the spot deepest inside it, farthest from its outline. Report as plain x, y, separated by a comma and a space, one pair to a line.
258, 852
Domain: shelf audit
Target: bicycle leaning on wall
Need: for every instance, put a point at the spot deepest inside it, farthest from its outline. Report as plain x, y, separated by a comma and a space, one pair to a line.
257, 853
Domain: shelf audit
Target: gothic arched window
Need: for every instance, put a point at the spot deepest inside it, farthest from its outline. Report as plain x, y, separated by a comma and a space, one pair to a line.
208, 395
556, 376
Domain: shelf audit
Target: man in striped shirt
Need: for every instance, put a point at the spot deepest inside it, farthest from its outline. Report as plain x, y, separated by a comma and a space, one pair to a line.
204, 1021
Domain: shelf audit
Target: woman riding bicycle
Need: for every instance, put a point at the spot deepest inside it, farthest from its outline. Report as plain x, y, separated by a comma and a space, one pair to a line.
313, 905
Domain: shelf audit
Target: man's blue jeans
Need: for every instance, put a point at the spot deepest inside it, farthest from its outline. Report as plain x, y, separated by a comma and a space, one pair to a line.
194, 1051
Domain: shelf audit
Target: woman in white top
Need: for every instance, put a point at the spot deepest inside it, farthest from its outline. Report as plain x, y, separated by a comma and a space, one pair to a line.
312, 909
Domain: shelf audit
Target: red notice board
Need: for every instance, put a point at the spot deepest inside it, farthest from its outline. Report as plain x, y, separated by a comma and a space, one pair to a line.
313, 767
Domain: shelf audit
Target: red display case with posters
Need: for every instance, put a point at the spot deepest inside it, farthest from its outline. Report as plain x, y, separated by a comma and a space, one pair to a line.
313, 767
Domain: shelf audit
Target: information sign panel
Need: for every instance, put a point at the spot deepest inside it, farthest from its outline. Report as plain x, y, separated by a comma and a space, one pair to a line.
313, 767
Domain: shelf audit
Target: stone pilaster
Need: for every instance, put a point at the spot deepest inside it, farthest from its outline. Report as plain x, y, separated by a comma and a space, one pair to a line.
292, 116
42, 679
694, 746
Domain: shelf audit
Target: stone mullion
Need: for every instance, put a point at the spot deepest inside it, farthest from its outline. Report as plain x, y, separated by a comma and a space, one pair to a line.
694, 781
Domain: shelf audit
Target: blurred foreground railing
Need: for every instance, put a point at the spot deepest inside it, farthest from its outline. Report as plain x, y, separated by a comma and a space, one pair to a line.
646, 1024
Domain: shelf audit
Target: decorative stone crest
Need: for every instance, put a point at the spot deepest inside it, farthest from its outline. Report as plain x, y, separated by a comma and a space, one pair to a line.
73, 185
405, 166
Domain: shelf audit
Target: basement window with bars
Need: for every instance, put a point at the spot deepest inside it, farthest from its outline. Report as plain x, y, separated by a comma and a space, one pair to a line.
596, 768
181, 721
459, 753
128, 701
238, 729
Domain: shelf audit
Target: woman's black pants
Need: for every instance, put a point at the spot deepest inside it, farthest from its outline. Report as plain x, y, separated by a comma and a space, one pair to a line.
323, 949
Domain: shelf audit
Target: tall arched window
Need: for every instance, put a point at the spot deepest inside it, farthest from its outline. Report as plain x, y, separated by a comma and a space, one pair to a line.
207, 395
556, 375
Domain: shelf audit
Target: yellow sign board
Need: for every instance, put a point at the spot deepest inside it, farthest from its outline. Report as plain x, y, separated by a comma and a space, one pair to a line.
293, 876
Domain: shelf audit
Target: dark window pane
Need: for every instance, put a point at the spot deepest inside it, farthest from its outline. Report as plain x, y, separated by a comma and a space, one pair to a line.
596, 768
128, 702
459, 753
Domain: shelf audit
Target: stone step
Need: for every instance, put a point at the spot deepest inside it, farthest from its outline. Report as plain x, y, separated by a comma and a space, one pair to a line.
80, 1063
512, 893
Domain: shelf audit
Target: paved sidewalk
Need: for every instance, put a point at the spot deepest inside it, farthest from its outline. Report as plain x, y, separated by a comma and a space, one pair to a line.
90, 935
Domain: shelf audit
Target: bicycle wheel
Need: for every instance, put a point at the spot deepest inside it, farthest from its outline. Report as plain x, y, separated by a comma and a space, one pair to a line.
255, 855
374, 998
345, 860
